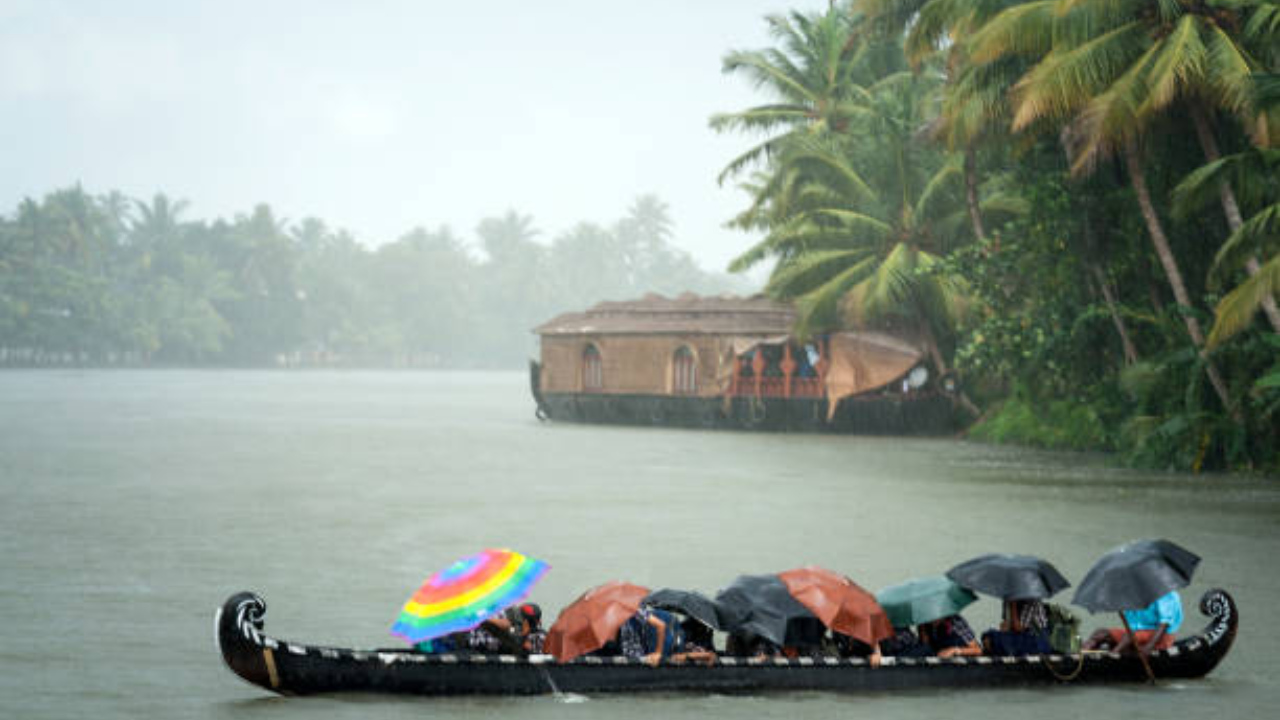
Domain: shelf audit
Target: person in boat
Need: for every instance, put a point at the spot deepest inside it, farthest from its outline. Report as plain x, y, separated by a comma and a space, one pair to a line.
651, 635
1024, 630
493, 636
949, 636
533, 638
750, 645
1154, 628
699, 643
851, 647
904, 643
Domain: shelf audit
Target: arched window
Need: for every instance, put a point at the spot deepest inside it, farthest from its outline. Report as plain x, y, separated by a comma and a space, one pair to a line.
592, 370
684, 372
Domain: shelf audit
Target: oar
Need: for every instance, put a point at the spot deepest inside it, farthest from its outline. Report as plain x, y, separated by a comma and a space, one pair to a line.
1146, 664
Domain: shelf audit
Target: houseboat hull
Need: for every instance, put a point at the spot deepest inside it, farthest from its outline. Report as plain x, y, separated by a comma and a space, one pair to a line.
923, 415
926, 413
290, 668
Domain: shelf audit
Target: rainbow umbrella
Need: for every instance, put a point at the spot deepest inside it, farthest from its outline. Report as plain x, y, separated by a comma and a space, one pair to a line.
467, 593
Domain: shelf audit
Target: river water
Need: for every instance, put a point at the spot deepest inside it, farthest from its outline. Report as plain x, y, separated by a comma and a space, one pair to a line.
134, 503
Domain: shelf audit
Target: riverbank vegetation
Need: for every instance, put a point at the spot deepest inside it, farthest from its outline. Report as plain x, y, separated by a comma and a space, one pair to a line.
106, 280
1074, 203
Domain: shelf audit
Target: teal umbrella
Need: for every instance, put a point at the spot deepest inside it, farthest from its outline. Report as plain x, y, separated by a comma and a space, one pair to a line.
923, 600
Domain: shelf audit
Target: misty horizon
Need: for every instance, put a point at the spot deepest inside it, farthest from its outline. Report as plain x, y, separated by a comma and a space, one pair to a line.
383, 119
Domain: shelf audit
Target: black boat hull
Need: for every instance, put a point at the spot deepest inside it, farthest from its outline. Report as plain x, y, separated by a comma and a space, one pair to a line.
296, 669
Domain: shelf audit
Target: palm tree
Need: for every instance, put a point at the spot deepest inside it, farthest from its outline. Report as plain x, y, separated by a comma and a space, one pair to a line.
1110, 68
974, 94
810, 76
852, 252
1254, 172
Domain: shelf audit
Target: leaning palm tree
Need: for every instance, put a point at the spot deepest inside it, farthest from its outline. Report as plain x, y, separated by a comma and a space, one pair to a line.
1109, 69
1252, 175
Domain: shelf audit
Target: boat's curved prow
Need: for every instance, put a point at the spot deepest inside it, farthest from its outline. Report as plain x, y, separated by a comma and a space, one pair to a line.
238, 627
1218, 635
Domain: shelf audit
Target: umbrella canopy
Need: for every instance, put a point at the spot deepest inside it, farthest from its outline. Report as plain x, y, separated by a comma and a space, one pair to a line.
1010, 577
694, 604
593, 619
467, 593
761, 605
923, 600
1135, 575
839, 603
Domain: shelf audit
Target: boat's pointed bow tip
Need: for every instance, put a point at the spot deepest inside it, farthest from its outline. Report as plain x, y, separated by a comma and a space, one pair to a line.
1218, 604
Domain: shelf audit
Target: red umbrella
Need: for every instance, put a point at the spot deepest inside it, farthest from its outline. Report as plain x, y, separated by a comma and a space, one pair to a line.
592, 620
839, 603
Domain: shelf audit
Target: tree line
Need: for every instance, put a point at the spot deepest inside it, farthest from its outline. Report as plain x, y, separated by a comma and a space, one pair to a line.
107, 280
1074, 203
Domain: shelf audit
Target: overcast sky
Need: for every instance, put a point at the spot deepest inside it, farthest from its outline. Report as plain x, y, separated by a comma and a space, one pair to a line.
380, 116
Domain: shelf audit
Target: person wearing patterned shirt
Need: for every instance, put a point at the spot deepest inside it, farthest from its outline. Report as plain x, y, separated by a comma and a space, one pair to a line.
650, 635
950, 636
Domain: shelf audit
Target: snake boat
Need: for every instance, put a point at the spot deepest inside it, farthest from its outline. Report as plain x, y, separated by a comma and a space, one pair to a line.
291, 668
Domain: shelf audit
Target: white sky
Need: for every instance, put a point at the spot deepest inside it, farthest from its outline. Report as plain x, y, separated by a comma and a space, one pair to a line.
378, 116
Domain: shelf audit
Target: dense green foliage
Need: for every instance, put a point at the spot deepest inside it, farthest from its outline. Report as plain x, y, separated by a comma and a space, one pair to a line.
1055, 197
105, 280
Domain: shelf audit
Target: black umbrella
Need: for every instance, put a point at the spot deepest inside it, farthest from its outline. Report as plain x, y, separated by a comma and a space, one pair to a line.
761, 605
1135, 575
1010, 577
694, 604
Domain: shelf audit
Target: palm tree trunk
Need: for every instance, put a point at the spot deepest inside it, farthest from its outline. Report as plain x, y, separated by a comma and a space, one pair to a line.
1134, 164
1130, 352
931, 346
971, 190
1113, 308
1230, 207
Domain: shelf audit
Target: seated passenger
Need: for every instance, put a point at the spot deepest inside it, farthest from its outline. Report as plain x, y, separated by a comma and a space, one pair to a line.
493, 636
699, 643
750, 645
532, 638
1024, 630
848, 647
805, 638
904, 643
949, 636
651, 635
1153, 628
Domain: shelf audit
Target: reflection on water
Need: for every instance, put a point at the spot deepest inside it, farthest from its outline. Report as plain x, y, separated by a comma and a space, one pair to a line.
135, 502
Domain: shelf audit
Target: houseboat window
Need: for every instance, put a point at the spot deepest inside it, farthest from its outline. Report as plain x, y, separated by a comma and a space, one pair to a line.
685, 375
592, 369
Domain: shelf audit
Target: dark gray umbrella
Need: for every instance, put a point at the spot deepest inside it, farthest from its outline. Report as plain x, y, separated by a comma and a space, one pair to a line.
693, 604
1135, 575
1010, 577
761, 605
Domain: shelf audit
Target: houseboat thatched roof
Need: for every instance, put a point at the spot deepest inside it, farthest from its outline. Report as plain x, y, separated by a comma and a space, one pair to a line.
687, 314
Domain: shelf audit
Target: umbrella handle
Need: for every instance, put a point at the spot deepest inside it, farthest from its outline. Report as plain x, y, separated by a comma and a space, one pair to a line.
1146, 664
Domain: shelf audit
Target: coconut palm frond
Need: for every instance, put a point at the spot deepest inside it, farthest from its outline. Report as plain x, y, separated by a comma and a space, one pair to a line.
1259, 235
942, 191
814, 270
1022, 30
1236, 310
1065, 79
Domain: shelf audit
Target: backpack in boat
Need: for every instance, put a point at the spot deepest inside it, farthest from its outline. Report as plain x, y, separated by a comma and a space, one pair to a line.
1064, 629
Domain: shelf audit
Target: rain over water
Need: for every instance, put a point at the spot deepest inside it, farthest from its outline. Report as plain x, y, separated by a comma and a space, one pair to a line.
136, 502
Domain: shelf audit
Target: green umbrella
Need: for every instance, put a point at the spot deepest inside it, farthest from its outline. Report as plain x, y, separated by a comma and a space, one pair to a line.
923, 600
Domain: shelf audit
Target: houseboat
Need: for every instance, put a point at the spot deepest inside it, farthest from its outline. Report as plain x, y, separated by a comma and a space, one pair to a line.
734, 363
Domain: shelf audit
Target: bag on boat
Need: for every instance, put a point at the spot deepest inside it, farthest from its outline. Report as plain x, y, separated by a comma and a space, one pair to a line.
1064, 630
1000, 643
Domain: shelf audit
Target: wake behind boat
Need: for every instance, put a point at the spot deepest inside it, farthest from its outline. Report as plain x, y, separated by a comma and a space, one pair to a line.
291, 668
